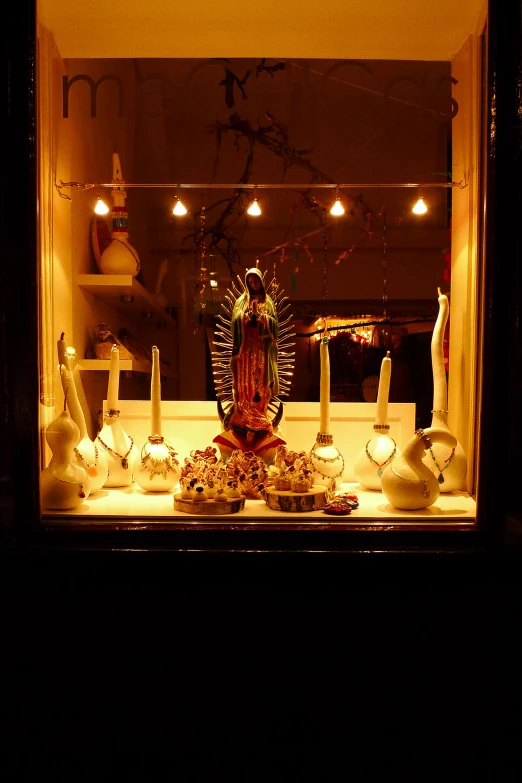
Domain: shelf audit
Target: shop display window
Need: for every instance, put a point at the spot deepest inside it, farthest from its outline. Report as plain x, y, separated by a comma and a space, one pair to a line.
261, 279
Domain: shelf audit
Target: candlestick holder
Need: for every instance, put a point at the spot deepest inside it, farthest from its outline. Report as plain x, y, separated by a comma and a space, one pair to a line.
326, 459
380, 449
112, 439
157, 470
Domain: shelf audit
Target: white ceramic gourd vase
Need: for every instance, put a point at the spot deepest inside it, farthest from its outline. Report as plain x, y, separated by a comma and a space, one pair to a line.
326, 459
407, 482
86, 453
157, 470
112, 439
449, 465
381, 449
120, 257
64, 485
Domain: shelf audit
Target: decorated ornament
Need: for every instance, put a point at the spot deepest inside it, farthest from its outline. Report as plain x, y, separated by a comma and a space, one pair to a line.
119, 257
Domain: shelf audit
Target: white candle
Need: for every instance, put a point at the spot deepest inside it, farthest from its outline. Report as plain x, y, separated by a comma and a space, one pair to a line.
155, 394
440, 389
114, 379
116, 168
118, 194
325, 387
381, 415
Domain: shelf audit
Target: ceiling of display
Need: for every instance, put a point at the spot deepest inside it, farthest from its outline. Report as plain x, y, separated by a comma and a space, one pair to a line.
379, 29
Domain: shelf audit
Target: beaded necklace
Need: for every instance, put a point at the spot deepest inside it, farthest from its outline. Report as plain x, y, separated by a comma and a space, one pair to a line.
446, 464
81, 493
158, 467
380, 465
124, 460
314, 454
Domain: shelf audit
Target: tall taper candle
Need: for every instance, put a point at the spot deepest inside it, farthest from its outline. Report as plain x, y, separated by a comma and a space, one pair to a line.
114, 379
381, 415
155, 394
324, 426
117, 176
116, 168
440, 386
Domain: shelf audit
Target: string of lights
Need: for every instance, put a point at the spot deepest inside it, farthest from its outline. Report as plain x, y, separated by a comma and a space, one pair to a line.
254, 209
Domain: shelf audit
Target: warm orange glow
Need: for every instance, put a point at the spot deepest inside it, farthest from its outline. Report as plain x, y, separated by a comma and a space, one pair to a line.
101, 207
254, 208
179, 208
337, 208
420, 207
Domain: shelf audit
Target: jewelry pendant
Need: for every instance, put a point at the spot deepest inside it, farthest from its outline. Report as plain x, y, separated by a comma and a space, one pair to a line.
91, 471
379, 472
81, 493
124, 463
441, 479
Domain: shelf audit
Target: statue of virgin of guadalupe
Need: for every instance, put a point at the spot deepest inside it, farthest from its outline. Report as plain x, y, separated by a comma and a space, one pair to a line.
255, 343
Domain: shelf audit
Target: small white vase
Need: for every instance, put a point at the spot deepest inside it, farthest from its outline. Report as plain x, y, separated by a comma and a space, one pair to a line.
63, 485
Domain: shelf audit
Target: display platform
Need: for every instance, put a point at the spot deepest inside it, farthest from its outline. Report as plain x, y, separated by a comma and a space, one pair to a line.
134, 504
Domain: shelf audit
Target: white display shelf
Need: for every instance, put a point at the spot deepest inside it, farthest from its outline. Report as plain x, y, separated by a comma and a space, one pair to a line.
104, 365
133, 503
111, 288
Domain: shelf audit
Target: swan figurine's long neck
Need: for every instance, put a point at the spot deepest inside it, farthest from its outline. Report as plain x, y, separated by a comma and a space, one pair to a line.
440, 387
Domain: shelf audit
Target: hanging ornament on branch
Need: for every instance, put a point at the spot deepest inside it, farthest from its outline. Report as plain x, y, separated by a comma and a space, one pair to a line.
296, 270
199, 272
325, 264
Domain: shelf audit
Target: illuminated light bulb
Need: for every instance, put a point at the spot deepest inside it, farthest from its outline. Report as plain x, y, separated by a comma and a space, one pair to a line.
101, 207
213, 283
179, 208
337, 208
254, 208
420, 207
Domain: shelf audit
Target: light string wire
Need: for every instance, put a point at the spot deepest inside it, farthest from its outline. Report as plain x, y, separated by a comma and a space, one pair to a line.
248, 186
